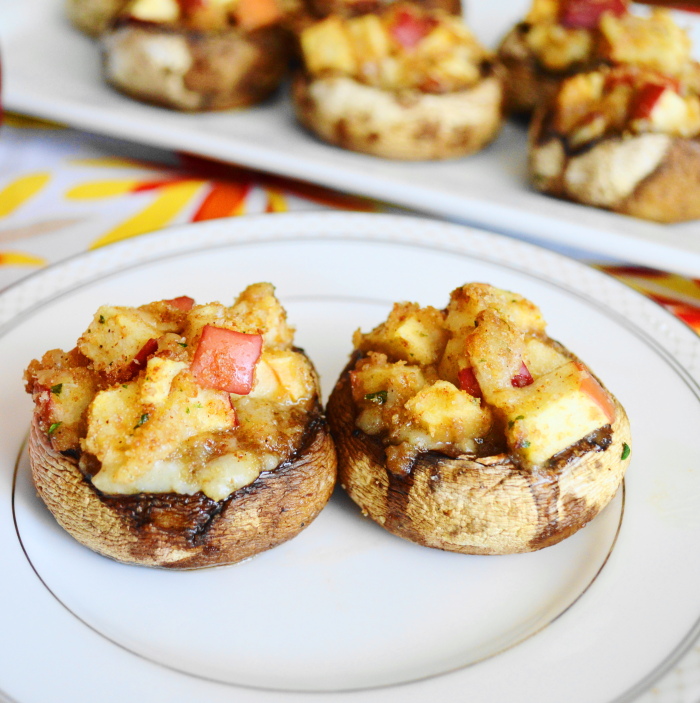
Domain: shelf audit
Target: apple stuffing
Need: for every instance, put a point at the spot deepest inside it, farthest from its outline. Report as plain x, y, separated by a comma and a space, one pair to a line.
559, 38
403, 82
469, 429
625, 139
203, 406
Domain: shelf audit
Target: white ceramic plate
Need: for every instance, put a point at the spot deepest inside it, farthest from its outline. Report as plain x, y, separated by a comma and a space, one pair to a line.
52, 71
346, 611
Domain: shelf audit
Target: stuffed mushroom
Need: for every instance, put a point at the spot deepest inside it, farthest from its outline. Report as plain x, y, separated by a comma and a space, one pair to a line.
179, 435
468, 429
625, 139
401, 83
560, 38
197, 55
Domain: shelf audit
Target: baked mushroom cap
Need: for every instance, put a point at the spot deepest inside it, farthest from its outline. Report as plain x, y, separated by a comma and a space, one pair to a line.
486, 505
176, 531
323, 8
194, 71
644, 164
407, 125
525, 83
93, 16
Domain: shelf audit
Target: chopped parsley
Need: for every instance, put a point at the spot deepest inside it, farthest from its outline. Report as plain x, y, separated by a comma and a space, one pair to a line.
102, 319
626, 451
512, 422
380, 397
142, 419
54, 426
56, 390
182, 344
525, 444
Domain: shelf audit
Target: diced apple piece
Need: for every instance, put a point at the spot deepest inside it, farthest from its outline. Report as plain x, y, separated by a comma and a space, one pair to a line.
115, 337
585, 14
127, 440
158, 378
375, 374
411, 333
541, 358
558, 409
454, 358
252, 14
327, 47
182, 302
495, 349
409, 27
62, 402
225, 359
468, 301
283, 376
154, 10
448, 414
228, 473
293, 373
369, 38
257, 310
266, 384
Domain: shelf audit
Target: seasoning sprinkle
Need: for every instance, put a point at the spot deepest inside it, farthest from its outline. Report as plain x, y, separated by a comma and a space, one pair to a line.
380, 397
56, 390
54, 426
626, 451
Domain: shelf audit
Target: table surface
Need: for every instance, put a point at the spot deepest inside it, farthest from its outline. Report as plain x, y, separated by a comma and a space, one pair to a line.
63, 192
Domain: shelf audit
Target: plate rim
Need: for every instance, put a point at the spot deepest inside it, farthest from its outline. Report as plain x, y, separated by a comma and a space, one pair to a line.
234, 229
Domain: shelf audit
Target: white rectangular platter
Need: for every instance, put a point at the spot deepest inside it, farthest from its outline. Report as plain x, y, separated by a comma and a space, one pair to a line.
51, 71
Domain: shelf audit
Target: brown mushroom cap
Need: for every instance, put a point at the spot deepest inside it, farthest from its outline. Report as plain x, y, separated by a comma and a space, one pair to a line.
410, 126
666, 188
526, 84
176, 531
478, 506
224, 70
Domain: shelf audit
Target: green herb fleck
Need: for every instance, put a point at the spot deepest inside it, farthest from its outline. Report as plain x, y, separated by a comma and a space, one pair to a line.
56, 390
626, 451
182, 344
187, 410
525, 444
143, 418
512, 422
380, 397
54, 427
102, 319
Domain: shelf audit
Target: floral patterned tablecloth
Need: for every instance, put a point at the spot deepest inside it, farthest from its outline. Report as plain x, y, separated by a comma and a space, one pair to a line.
63, 192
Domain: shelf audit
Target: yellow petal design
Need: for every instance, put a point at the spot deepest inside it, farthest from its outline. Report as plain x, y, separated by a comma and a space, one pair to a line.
111, 162
276, 201
12, 119
17, 193
170, 201
101, 189
18, 258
